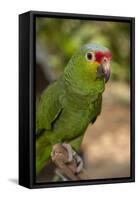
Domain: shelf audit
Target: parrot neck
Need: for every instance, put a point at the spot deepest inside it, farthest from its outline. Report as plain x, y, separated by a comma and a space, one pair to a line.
75, 91
82, 90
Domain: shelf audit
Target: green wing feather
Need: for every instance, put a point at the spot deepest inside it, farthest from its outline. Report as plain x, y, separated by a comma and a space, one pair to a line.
98, 105
48, 111
49, 108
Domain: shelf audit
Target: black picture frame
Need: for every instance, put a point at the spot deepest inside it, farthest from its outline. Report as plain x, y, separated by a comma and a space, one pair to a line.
27, 98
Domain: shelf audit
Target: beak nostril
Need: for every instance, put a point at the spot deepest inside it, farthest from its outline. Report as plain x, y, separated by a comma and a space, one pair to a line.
104, 60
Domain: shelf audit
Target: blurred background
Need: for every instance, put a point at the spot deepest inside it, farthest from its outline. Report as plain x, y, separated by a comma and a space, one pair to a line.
106, 144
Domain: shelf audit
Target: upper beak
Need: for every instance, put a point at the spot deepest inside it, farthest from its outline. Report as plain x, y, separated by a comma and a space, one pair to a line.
104, 70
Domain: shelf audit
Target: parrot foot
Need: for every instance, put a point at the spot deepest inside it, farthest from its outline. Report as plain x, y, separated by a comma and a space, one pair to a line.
69, 151
65, 153
68, 163
73, 155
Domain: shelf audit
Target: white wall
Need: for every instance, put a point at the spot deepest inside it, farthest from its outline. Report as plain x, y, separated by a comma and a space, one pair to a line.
9, 11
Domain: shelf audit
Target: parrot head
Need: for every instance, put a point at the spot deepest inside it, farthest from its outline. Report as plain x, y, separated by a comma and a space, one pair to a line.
89, 67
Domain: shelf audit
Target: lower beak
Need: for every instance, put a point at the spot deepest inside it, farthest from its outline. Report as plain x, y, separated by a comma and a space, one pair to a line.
104, 71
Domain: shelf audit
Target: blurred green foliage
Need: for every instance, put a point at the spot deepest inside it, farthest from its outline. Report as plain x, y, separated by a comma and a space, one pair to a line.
61, 37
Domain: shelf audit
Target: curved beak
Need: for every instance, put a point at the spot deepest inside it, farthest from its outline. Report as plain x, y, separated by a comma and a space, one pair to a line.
104, 70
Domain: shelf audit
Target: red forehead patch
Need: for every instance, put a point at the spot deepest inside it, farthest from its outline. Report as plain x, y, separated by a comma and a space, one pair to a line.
99, 55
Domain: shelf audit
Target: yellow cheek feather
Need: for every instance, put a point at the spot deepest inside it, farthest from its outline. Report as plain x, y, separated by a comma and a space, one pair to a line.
95, 63
93, 66
91, 70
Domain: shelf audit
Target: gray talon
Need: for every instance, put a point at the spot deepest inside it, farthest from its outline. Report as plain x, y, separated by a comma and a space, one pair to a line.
80, 165
69, 150
79, 162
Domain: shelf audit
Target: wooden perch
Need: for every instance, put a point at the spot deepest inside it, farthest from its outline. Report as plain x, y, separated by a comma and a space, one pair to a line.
68, 169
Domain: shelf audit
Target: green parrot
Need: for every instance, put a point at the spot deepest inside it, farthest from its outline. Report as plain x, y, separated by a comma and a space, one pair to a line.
71, 103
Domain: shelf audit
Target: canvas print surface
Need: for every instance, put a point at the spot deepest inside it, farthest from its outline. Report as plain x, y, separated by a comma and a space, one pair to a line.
82, 99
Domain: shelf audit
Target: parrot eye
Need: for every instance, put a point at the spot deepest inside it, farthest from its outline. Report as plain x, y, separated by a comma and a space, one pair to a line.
90, 56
